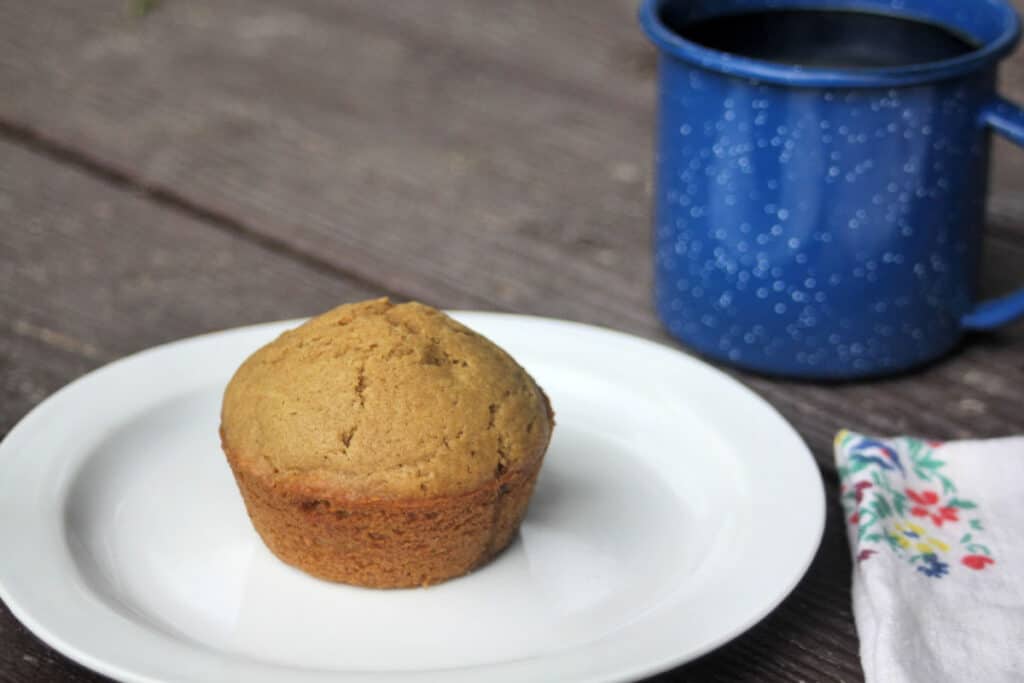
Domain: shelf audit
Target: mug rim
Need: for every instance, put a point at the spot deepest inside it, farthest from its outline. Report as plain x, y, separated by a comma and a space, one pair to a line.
673, 44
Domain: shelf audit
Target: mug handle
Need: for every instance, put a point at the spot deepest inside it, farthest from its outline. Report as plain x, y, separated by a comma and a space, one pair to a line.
1007, 119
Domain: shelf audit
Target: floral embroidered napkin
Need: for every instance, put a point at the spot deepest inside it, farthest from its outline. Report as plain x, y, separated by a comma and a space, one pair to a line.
937, 535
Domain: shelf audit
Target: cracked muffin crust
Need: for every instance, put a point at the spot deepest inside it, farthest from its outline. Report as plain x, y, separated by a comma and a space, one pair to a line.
384, 445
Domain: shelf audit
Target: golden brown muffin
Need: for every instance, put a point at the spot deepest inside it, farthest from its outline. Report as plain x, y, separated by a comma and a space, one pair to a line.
384, 445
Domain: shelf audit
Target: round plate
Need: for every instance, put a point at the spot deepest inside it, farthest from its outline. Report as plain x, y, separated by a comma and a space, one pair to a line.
674, 510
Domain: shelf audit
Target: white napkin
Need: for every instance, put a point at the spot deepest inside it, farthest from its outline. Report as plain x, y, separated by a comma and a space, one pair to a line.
937, 535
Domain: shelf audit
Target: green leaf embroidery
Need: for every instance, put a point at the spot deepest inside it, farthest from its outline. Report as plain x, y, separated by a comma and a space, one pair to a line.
899, 501
882, 481
867, 520
947, 485
914, 447
858, 465
886, 505
881, 507
927, 467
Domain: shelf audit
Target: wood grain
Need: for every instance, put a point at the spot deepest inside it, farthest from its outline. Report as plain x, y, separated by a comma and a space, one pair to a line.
170, 276
217, 163
93, 270
455, 185
90, 272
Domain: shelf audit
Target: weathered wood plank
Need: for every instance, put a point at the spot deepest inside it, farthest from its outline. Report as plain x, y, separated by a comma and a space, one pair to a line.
597, 54
452, 185
470, 75
89, 272
460, 154
462, 179
91, 269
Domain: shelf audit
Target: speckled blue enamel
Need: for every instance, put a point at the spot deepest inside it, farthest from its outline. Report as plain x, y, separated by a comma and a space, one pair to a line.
822, 223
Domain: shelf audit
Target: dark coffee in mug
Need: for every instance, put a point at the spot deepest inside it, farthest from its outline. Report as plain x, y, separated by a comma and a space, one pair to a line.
823, 38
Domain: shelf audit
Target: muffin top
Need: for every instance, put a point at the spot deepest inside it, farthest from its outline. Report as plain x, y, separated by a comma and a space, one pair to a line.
381, 401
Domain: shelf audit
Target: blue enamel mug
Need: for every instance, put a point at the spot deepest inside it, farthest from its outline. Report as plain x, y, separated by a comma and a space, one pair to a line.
825, 222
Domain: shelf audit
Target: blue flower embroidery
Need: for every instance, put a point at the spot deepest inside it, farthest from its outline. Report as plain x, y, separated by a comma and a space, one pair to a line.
933, 567
887, 484
891, 461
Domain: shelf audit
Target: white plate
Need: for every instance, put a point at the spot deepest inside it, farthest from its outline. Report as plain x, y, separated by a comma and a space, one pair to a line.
674, 510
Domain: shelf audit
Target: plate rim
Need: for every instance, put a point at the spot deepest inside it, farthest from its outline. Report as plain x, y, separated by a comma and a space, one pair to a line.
638, 669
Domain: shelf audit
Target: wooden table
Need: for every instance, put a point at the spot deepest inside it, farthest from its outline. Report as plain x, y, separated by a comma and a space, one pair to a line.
211, 164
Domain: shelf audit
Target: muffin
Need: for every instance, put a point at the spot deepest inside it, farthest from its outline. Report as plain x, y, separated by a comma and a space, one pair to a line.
384, 445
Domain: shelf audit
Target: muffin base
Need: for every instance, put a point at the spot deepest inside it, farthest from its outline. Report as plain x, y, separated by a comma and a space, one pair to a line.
386, 544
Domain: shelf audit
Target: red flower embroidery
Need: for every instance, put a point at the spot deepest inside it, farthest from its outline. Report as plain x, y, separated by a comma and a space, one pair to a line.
945, 515
923, 498
935, 505
859, 489
977, 562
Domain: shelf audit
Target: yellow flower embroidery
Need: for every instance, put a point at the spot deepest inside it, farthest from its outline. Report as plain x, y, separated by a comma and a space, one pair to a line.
876, 482
910, 529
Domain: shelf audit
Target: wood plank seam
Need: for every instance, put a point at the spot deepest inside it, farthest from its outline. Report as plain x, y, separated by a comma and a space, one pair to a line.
1000, 227
495, 66
58, 340
36, 141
